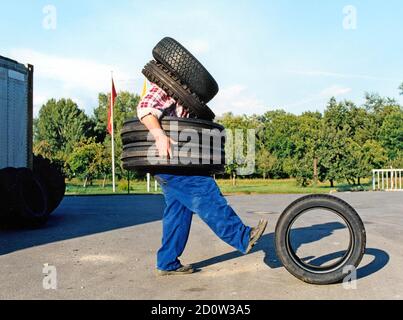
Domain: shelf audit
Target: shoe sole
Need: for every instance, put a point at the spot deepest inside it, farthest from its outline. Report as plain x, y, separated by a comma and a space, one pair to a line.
174, 273
257, 237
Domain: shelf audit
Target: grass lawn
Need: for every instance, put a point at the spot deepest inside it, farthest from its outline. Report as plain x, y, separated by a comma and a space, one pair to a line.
244, 186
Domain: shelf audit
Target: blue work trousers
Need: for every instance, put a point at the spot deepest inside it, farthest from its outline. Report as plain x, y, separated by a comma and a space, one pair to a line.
185, 195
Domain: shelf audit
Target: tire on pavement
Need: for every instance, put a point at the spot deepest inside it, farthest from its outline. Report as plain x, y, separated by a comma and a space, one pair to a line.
33, 199
320, 275
25, 197
53, 179
157, 73
8, 190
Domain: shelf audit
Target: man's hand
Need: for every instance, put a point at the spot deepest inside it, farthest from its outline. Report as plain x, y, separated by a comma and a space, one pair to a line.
162, 141
163, 144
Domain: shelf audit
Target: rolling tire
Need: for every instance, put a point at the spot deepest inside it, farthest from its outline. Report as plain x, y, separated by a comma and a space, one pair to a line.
192, 155
157, 73
53, 180
179, 61
314, 274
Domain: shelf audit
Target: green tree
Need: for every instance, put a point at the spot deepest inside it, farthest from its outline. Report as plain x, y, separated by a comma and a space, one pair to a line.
398, 162
307, 144
88, 161
379, 108
61, 124
265, 162
361, 159
125, 108
231, 124
44, 149
391, 134
277, 131
301, 169
333, 141
401, 89
362, 124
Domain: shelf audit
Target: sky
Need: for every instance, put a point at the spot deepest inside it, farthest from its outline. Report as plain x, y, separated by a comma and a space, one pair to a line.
265, 54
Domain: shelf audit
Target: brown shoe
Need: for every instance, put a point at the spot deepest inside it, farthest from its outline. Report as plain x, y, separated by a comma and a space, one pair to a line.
256, 234
178, 272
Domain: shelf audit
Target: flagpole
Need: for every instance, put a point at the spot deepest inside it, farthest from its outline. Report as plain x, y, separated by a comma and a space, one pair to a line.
113, 136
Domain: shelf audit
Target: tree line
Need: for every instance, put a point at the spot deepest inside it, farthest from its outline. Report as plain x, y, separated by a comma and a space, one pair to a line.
344, 143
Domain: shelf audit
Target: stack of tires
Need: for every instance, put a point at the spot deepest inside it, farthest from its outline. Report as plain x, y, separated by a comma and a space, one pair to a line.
30, 196
200, 148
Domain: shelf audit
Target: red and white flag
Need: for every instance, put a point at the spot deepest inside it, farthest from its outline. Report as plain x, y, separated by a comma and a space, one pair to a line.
111, 107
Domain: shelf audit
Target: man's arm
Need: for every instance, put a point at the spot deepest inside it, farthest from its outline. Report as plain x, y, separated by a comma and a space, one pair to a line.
162, 141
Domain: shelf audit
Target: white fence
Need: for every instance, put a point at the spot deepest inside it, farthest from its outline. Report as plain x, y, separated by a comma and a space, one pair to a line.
387, 180
149, 184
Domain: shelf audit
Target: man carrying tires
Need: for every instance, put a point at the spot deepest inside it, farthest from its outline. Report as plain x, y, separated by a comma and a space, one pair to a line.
185, 195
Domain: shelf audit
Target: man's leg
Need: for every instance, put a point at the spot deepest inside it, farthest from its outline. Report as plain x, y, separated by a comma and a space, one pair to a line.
176, 228
202, 196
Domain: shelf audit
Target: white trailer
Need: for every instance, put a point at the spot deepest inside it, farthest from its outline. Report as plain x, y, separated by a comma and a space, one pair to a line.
16, 114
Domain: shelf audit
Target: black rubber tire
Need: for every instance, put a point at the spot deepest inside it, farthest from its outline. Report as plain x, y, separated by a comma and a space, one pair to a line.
156, 73
334, 273
141, 136
206, 158
134, 131
182, 123
142, 149
190, 71
26, 198
33, 199
142, 165
8, 189
209, 160
53, 179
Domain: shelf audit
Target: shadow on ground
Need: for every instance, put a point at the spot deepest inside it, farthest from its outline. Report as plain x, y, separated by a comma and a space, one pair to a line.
83, 216
303, 236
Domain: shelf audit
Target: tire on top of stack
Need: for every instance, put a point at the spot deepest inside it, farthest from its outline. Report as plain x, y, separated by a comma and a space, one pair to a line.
179, 61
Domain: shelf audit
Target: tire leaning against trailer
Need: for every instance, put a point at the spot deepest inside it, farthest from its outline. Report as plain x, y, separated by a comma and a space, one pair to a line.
334, 273
8, 189
190, 71
33, 196
25, 198
157, 73
53, 179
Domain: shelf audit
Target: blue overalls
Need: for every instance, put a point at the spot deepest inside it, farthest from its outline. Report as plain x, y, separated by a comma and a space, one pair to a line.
185, 195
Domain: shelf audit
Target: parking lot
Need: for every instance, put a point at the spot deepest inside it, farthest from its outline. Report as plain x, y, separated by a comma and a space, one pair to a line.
104, 248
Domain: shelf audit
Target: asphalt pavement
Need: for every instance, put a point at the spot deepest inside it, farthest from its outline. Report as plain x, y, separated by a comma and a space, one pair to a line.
105, 248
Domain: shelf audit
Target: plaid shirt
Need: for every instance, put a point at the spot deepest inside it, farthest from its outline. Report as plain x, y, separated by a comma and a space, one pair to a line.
157, 102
